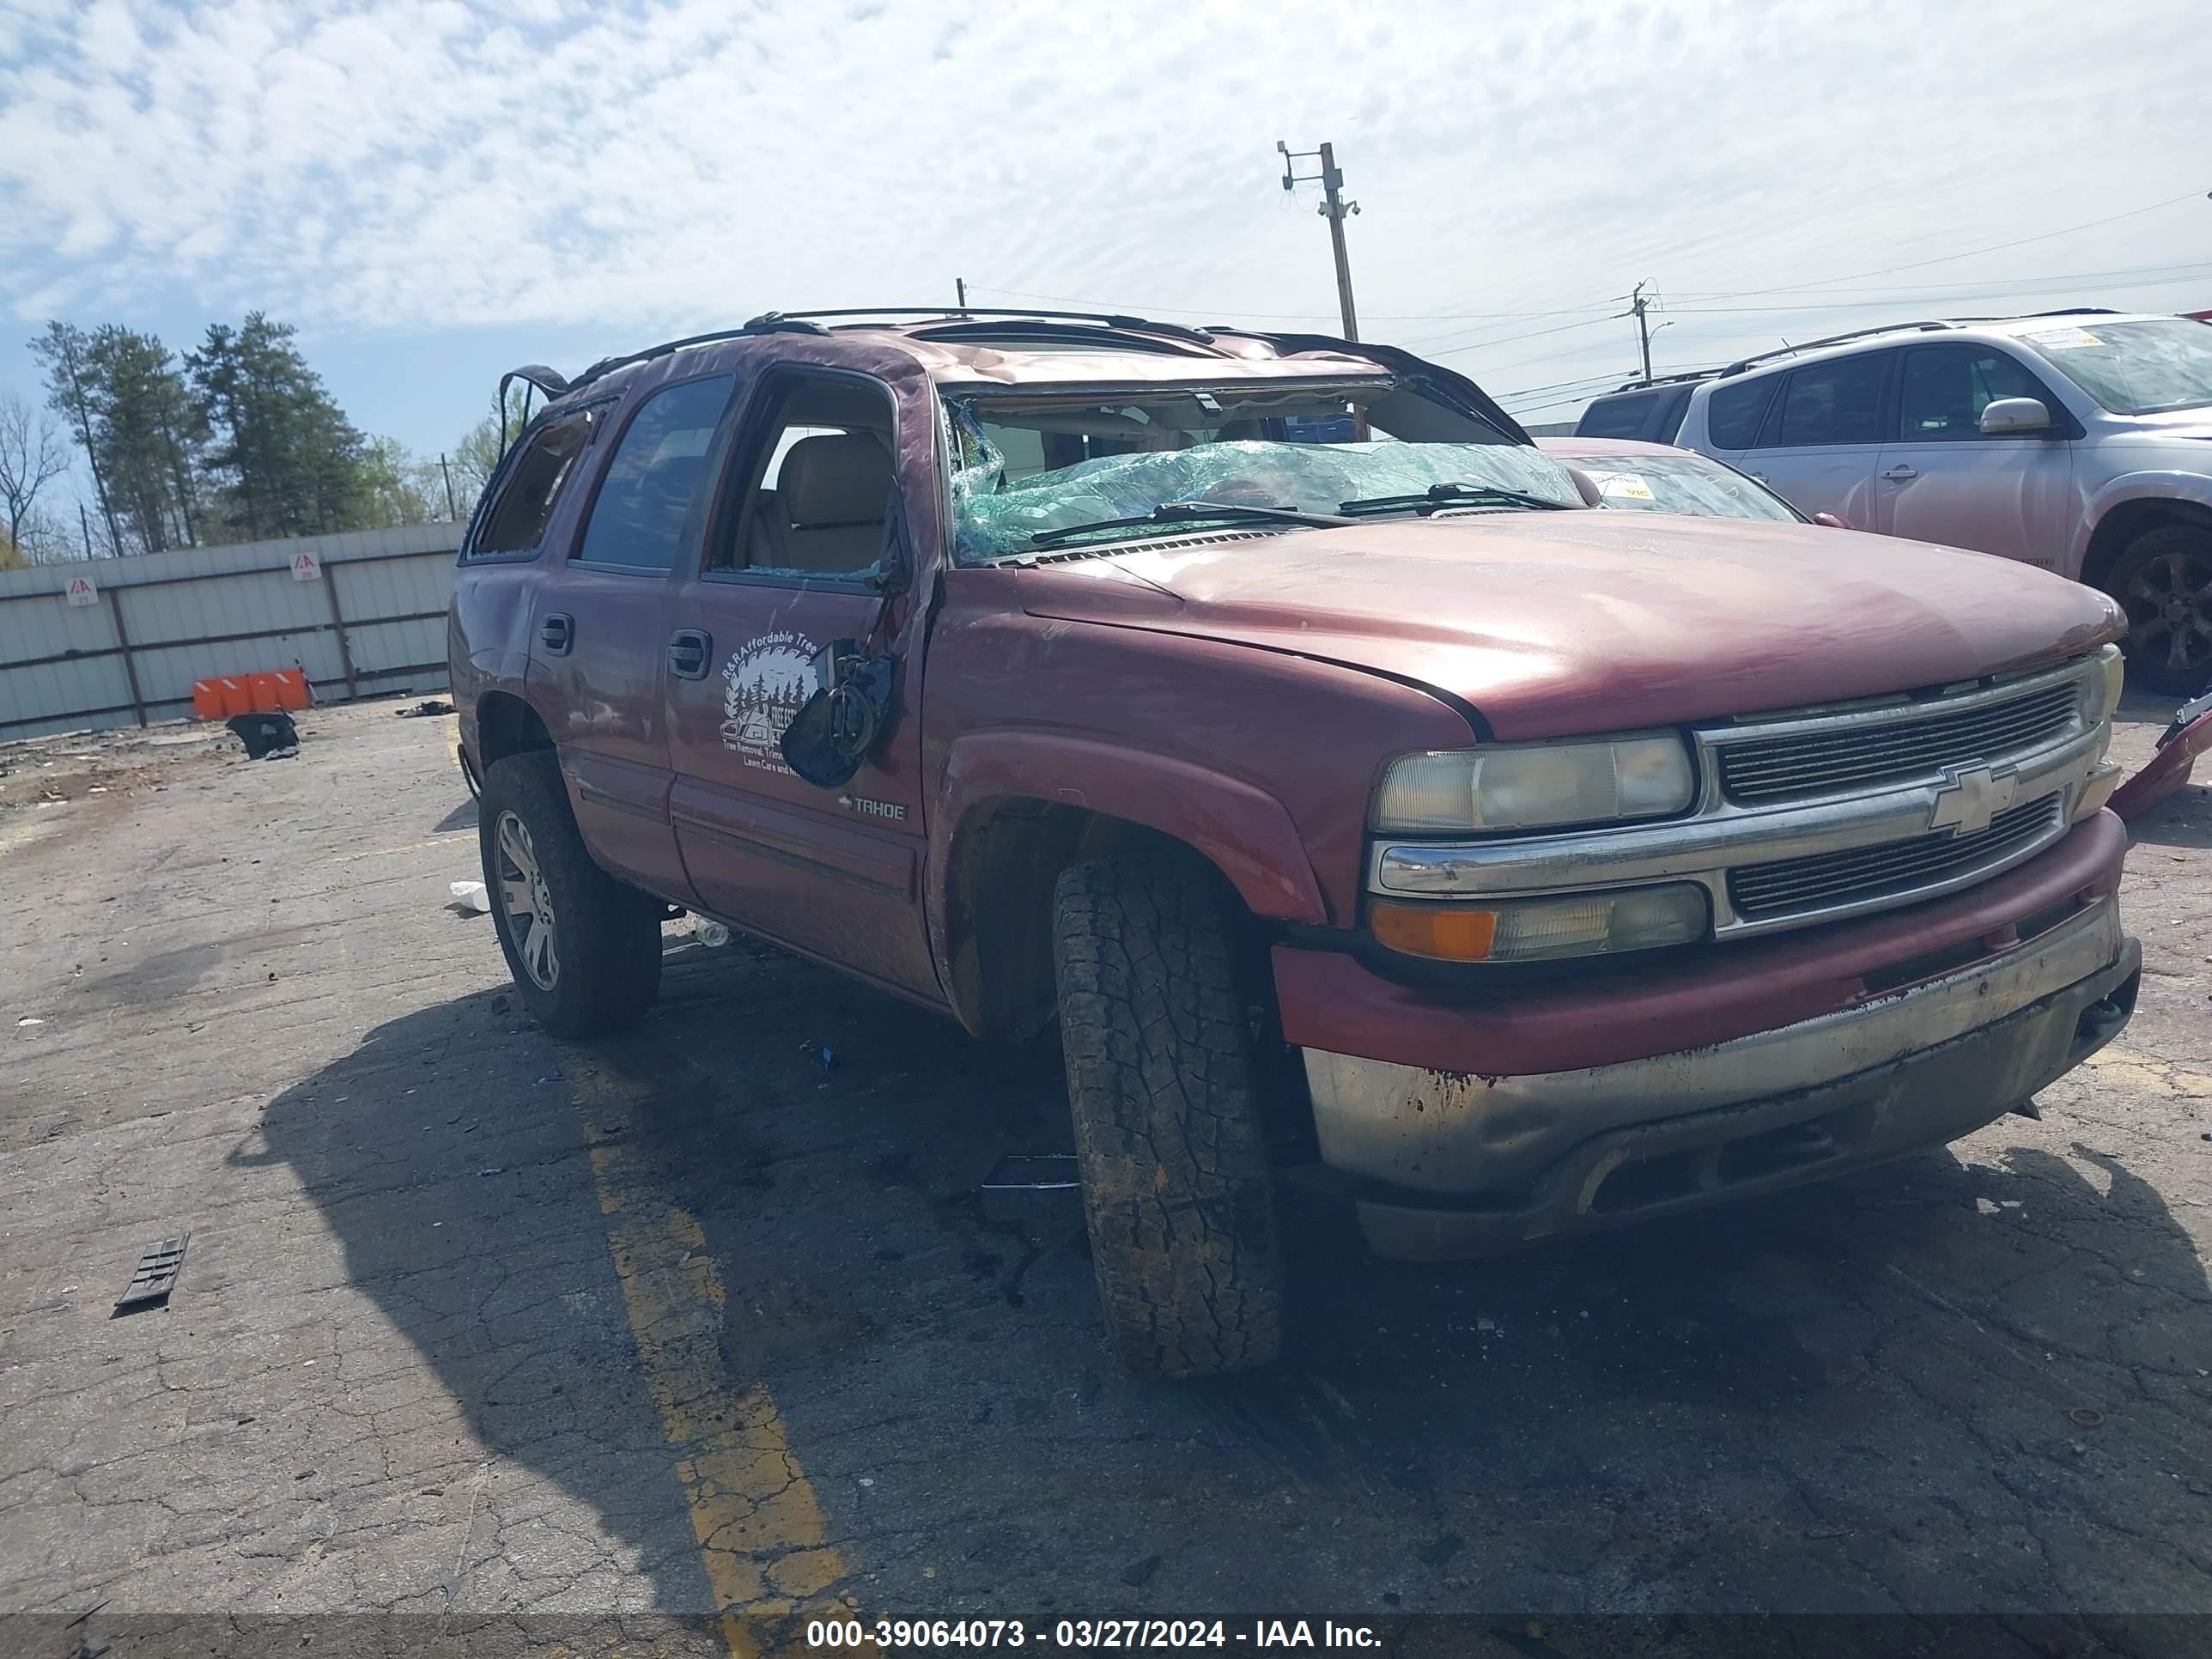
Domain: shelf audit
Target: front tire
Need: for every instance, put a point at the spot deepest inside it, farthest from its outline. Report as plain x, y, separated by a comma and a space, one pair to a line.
585, 949
1170, 1132
2164, 582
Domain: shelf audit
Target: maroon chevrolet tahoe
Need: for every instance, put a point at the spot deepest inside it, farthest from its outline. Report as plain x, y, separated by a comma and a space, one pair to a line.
1271, 713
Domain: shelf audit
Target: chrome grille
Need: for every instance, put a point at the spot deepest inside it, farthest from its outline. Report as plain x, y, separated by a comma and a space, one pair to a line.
1760, 771
1825, 880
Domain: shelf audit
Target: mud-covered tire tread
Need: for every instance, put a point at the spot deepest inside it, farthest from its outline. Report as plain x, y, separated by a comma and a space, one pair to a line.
609, 934
1169, 1135
2155, 676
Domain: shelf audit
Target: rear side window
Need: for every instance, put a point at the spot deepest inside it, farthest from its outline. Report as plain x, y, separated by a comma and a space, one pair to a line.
1734, 413
644, 511
1617, 418
1834, 402
516, 523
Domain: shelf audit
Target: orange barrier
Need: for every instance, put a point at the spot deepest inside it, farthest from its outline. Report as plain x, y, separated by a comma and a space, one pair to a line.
226, 695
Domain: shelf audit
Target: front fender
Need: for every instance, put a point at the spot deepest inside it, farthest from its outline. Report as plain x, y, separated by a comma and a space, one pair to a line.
1243, 830
2170, 484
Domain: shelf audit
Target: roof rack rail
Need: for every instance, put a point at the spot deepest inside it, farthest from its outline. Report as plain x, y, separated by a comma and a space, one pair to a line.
966, 314
769, 323
1743, 363
1640, 383
809, 322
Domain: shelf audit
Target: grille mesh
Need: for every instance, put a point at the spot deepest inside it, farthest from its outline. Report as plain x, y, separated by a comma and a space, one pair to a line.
1764, 769
1795, 886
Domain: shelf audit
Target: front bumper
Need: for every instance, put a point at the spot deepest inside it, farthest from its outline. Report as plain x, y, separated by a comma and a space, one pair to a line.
1453, 1163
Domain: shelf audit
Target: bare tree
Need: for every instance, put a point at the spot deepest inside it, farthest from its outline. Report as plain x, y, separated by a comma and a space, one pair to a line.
33, 454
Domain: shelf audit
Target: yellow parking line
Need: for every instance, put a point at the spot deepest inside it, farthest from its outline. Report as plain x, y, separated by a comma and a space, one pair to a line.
758, 1523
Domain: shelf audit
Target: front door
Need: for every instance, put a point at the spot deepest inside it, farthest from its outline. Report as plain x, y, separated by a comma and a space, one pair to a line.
809, 503
600, 652
1943, 480
1821, 440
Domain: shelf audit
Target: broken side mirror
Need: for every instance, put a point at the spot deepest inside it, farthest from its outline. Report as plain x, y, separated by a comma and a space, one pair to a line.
847, 715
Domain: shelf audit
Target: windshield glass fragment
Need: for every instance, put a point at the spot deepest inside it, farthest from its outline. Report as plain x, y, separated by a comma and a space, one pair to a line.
1040, 462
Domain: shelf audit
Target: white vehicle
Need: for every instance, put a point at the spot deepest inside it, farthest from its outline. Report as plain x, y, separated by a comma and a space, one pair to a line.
2079, 442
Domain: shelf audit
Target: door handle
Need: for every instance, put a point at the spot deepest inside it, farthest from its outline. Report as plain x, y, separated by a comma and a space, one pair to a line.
689, 651
557, 633
1900, 472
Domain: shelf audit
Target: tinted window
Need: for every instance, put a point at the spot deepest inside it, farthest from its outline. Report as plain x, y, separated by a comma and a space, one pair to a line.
1834, 402
1947, 388
1733, 414
1616, 417
644, 504
532, 486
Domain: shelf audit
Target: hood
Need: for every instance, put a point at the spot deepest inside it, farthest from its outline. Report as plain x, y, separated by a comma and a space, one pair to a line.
1555, 624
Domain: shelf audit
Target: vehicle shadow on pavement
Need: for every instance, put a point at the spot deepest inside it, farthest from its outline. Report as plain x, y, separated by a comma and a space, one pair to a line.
2183, 820
1972, 1380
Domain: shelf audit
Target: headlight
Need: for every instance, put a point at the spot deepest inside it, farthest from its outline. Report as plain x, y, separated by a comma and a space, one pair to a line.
1533, 929
1534, 785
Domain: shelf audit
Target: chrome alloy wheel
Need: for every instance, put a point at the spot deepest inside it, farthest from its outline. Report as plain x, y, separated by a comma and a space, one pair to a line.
527, 902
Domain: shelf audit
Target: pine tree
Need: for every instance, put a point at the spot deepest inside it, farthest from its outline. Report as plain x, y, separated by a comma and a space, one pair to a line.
146, 433
290, 462
63, 348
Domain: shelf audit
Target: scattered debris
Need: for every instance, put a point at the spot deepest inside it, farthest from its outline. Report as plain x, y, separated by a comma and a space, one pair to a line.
30, 1019
2085, 1417
428, 706
156, 1277
266, 736
1139, 1572
825, 1057
712, 935
495, 1170
470, 897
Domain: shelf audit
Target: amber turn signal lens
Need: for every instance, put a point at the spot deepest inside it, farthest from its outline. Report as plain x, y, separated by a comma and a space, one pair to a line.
1429, 930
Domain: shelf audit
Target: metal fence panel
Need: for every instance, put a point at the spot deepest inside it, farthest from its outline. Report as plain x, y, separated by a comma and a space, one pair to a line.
377, 608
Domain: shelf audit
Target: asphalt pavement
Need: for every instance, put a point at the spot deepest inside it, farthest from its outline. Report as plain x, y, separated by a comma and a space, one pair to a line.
474, 1327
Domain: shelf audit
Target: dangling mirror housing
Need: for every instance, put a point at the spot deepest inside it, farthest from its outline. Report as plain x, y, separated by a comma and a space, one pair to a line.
841, 723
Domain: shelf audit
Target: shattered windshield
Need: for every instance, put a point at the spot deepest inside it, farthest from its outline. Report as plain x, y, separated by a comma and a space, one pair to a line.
2133, 368
1688, 485
1033, 463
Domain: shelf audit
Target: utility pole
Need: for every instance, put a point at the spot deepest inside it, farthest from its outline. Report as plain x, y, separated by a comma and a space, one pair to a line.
84, 522
453, 512
1333, 208
961, 282
1637, 304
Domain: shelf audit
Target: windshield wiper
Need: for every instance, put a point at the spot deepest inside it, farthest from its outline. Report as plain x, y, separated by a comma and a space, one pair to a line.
1449, 494
1194, 512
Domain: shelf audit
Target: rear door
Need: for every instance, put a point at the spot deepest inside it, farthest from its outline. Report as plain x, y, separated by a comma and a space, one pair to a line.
599, 647
1820, 442
809, 504
1941, 480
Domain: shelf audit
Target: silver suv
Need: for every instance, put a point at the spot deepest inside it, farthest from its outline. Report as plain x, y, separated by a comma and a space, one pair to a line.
2079, 442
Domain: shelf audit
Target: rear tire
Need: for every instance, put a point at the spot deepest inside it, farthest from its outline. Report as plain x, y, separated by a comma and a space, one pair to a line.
2163, 580
584, 949
1169, 1133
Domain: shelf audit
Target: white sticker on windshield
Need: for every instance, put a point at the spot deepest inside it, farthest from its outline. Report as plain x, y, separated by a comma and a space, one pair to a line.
1629, 484
2063, 339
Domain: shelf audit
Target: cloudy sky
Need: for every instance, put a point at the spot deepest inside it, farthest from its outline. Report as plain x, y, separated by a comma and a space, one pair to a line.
435, 190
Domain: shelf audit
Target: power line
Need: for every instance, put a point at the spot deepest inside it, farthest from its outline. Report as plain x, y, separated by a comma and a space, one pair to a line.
1219, 312
1947, 258
2123, 274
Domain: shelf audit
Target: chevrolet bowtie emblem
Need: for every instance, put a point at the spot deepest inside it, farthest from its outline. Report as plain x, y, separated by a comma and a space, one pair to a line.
1971, 799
